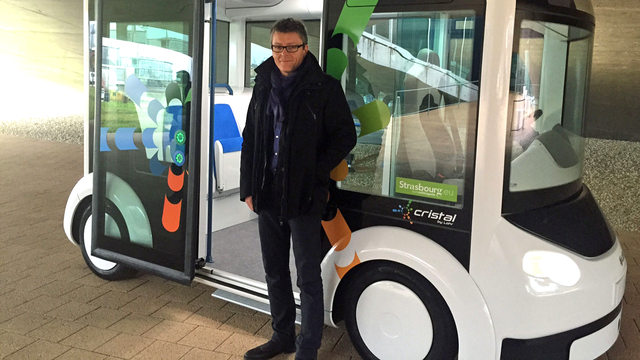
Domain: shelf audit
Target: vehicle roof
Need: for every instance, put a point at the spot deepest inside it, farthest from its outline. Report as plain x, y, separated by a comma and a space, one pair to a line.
305, 8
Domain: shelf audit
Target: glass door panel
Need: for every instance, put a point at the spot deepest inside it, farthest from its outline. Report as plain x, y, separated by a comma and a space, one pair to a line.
146, 157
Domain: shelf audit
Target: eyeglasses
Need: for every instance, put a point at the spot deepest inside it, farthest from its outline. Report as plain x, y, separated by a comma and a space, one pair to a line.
290, 48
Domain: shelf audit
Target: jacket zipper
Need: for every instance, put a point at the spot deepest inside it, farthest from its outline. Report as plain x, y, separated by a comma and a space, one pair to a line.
285, 158
261, 152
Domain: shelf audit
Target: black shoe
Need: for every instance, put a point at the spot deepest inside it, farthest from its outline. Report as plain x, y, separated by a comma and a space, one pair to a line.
269, 350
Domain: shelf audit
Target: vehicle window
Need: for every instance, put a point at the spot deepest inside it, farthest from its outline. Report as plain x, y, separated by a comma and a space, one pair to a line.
550, 68
222, 52
410, 86
259, 45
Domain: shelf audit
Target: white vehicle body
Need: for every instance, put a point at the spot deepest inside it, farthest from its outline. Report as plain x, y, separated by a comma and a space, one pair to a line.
514, 287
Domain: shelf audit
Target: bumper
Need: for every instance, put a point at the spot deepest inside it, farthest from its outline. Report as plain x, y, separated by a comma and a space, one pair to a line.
586, 342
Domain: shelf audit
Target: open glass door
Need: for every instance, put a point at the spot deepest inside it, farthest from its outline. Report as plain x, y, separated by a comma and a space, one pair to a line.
146, 155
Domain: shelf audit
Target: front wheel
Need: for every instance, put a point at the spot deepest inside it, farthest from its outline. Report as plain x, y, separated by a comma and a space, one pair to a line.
102, 268
393, 312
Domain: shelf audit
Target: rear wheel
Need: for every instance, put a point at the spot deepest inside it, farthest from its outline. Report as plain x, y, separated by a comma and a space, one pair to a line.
114, 223
393, 312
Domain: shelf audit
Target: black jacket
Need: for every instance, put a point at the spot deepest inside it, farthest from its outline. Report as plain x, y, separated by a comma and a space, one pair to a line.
318, 132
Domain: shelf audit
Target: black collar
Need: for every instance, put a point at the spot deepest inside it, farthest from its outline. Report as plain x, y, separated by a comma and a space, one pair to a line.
308, 72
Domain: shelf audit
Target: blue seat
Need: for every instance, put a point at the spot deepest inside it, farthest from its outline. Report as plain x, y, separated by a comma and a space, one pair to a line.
225, 128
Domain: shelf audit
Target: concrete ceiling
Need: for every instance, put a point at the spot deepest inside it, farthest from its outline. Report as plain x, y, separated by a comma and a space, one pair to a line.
42, 39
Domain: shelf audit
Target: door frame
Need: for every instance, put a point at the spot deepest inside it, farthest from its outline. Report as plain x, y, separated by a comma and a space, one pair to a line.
193, 167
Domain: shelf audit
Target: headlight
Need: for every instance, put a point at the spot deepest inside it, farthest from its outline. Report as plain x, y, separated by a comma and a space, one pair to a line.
556, 267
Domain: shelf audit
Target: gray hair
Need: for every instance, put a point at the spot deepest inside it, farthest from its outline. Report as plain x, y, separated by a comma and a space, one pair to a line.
290, 25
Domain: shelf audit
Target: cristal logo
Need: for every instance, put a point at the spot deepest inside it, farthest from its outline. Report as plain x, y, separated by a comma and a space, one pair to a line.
440, 217
405, 211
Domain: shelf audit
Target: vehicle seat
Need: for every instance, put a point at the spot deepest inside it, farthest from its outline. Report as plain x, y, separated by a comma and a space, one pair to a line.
441, 156
227, 146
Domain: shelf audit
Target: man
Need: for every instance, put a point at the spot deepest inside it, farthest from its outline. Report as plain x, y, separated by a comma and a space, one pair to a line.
298, 129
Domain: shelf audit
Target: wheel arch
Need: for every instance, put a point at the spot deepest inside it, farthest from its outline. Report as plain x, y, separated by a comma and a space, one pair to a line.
79, 197
123, 197
432, 261
77, 215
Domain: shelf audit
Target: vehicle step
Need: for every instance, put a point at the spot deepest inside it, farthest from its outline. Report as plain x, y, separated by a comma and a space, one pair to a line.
248, 303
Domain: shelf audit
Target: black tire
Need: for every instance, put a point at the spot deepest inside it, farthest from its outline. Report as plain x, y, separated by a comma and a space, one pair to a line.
118, 271
444, 340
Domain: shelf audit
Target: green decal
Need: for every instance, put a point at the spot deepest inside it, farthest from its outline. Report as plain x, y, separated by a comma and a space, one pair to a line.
373, 117
181, 137
337, 63
427, 189
353, 3
188, 99
353, 20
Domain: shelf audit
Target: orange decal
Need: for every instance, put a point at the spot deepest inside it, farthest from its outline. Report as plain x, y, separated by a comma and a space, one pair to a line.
337, 231
175, 181
171, 215
340, 172
342, 271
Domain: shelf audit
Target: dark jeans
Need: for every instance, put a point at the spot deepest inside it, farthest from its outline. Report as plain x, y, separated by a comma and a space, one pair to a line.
304, 232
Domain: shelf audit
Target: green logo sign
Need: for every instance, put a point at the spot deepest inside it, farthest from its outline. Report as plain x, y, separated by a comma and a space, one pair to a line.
178, 158
181, 137
427, 189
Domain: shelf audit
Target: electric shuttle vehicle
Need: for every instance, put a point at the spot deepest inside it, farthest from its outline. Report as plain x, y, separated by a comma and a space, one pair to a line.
458, 226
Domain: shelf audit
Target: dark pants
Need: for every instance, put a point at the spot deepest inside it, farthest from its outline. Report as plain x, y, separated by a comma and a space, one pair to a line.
304, 232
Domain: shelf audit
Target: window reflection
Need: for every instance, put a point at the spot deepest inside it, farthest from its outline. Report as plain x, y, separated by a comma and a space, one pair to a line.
156, 55
549, 74
419, 66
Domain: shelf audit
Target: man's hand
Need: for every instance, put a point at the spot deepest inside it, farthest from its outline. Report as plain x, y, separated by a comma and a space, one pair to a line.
249, 202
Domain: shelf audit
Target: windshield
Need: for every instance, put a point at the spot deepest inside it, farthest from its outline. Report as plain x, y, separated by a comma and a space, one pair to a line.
549, 78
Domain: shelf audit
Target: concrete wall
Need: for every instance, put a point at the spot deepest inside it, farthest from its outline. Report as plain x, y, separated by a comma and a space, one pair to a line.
613, 111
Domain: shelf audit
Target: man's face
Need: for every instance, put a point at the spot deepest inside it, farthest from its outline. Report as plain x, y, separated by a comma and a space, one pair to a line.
285, 61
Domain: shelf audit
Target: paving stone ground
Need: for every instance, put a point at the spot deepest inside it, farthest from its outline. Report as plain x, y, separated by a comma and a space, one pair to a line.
53, 307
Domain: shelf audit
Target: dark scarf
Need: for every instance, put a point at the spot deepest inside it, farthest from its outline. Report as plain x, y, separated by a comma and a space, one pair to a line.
278, 98
279, 95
